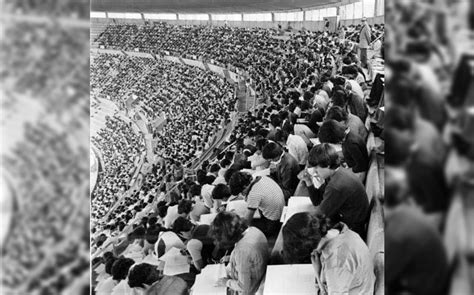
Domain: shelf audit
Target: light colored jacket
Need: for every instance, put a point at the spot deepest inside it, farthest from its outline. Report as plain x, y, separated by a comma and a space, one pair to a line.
365, 37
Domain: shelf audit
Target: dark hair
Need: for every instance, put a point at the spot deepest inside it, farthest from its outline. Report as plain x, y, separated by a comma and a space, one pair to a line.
227, 228
271, 150
225, 162
281, 136
275, 120
214, 168
162, 209
142, 274
107, 255
195, 190
316, 116
174, 198
397, 147
232, 169
339, 98
221, 192
201, 177
399, 117
120, 268
331, 132
301, 235
336, 113
182, 224
108, 265
152, 221
324, 155
210, 179
185, 206
152, 233
238, 182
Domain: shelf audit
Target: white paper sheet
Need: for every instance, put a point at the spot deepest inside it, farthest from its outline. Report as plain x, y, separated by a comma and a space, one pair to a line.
175, 262
206, 281
290, 279
297, 205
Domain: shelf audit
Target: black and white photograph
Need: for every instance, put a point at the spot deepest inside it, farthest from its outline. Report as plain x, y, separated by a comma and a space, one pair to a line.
202, 147
238, 147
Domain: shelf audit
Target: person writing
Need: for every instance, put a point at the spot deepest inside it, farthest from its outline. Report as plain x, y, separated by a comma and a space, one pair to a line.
340, 258
245, 269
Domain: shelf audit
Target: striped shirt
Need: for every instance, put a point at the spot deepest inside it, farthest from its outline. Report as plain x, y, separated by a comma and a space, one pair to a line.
267, 196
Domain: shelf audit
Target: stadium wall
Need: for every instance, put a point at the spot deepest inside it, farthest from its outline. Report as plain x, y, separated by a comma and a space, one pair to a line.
298, 25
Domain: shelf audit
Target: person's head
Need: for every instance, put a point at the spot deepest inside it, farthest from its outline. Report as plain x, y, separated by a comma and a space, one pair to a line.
363, 20
214, 168
108, 265
107, 255
324, 159
185, 207
152, 233
332, 131
162, 209
301, 235
143, 275
227, 228
272, 151
221, 192
225, 163
201, 176
396, 188
281, 136
183, 227
336, 113
239, 182
339, 98
120, 268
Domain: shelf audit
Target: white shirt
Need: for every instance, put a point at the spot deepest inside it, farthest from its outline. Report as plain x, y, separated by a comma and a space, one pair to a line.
297, 148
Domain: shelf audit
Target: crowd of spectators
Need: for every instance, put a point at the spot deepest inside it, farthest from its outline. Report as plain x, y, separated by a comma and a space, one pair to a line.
310, 133
72, 9
269, 61
121, 150
427, 147
50, 204
195, 103
45, 60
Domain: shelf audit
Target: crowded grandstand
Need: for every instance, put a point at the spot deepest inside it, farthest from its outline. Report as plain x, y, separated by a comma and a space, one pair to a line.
259, 131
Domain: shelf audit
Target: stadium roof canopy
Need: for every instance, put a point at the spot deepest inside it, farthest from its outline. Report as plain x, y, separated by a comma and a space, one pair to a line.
205, 6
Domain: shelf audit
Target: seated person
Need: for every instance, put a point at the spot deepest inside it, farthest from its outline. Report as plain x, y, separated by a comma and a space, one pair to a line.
147, 278
338, 193
354, 147
284, 168
198, 243
416, 260
228, 202
351, 121
120, 270
295, 145
166, 241
340, 258
246, 269
263, 194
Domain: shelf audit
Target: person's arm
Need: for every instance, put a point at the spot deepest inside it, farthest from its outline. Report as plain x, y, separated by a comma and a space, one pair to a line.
286, 179
250, 214
339, 279
245, 273
332, 201
354, 158
316, 195
194, 248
